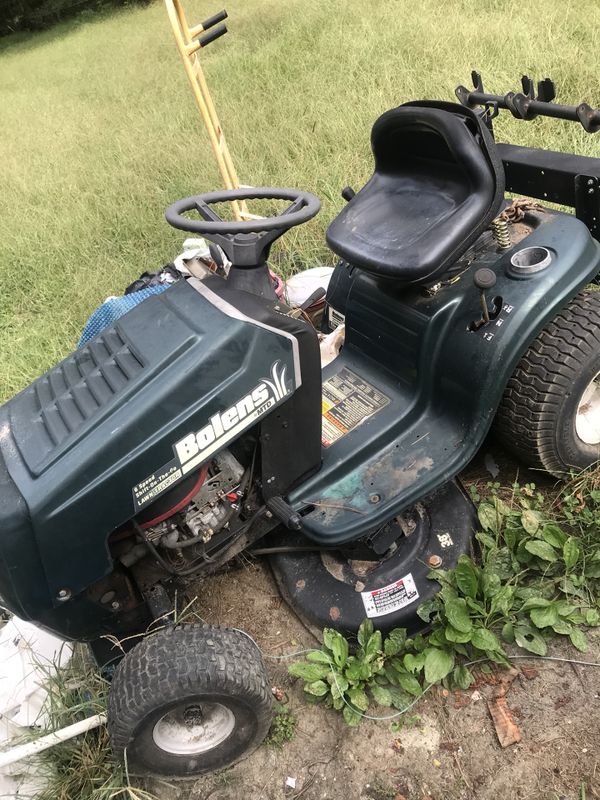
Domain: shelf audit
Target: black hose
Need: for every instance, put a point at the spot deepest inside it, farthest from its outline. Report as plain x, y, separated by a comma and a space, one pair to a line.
191, 569
171, 570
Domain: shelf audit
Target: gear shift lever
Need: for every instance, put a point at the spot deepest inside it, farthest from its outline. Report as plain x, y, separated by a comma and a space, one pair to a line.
484, 279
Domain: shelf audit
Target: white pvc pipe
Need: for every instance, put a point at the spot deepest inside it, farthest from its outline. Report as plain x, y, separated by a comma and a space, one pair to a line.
44, 742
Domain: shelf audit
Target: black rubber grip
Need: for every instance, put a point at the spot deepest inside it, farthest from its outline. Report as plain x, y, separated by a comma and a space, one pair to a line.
285, 513
209, 37
210, 21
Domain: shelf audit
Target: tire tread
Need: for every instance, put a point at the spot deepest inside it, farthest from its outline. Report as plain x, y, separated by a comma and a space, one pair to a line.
526, 421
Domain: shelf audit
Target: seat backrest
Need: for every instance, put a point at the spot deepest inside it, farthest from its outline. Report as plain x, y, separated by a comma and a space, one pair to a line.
437, 185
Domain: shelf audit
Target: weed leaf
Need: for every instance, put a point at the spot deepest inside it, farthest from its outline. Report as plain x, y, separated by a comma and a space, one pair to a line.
541, 549
466, 577
458, 615
438, 664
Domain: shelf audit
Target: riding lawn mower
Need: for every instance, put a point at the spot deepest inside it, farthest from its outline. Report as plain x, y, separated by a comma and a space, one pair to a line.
202, 424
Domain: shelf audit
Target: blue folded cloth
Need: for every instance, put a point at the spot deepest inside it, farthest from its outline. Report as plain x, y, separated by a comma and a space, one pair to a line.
114, 308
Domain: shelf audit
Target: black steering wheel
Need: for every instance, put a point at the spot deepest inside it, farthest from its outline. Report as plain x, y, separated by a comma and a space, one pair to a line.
246, 243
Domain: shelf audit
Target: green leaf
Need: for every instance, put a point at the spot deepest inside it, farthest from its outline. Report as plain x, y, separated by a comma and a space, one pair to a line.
489, 518
317, 688
378, 664
338, 684
337, 644
562, 627
564, 608
351, 717
358, 698
592, 618
426, 609
490, 582
578, 640
364, 632
552, 534
544, 617
500, 561
463, 677
391, 674
512, 536
503, 600
485, 640
380, 694
319, 657
414, 663
522, 554
440, 575
410, 684
508, 632
530, 520
395, 642
397, 664
486, 540
437, 638
501, 507
438, 664
534, 602
541, 549
465, 576
356, 670
475, 605
400, 699
308, 672
456, 637
592, 570
373, 646
571, 553
529, 639
458, 615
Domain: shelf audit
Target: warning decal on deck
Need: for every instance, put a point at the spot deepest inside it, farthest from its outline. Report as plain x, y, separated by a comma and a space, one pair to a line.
380, 602
348, 400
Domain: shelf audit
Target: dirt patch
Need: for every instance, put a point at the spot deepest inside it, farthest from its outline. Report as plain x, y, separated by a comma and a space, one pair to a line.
451, 753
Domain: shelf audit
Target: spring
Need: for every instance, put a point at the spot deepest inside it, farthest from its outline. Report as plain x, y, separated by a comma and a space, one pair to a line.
501, 229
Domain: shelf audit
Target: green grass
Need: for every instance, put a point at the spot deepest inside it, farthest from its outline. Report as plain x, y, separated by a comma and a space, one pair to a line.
100, 133
81, 768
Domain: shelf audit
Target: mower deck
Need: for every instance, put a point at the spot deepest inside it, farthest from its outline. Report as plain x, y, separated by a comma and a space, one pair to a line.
326, 590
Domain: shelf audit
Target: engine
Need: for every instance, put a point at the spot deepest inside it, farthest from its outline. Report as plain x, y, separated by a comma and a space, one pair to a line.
192, 526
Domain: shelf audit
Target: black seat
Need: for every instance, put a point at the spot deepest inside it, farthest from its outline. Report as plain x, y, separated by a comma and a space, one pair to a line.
438, 183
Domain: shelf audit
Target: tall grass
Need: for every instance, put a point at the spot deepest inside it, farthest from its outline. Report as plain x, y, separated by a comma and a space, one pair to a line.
99, 132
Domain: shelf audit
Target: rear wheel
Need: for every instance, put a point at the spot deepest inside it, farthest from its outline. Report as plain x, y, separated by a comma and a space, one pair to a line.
550, 412
189, 700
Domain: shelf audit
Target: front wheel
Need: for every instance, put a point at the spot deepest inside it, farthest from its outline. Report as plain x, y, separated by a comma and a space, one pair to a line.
189, 700
549, 416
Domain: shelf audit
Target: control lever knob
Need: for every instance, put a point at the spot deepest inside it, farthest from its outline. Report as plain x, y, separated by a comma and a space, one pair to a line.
484, 279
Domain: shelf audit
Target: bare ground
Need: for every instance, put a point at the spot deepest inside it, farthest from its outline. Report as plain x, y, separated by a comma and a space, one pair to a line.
451, 753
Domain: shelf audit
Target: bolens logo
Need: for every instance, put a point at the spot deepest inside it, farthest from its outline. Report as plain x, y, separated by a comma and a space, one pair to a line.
195, 448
